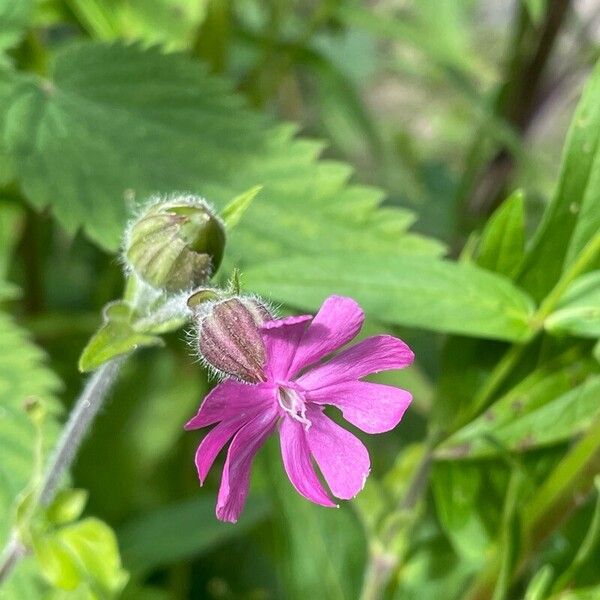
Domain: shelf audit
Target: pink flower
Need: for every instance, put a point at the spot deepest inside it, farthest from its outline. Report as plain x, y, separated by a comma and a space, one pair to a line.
290, 397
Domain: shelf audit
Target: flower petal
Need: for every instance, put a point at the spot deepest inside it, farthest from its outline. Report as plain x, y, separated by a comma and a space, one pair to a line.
372, 355
297, 462
236, 471
342, 457
338, 321
281, 338
232, 399
212, 443
372, 407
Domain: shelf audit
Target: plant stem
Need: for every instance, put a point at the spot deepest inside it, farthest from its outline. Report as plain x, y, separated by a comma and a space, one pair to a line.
86, 408
12, 554
378, 573
82, 415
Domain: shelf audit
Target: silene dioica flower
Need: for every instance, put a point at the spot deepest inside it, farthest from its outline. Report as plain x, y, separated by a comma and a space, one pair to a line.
277, 380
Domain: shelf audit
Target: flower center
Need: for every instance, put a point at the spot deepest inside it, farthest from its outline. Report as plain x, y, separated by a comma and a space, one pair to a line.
293, 404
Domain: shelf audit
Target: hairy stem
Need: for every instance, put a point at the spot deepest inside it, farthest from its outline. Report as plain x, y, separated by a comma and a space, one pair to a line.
82, 415
86, 408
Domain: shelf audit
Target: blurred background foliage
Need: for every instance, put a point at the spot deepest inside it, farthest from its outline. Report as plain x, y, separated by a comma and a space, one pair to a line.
430, 115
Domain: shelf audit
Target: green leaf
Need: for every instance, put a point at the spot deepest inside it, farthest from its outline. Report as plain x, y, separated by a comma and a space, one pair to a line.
588, 546
502, 243
413, 291
161, 124
456, 489
181, 531
578, 311
544, 384
22, 376
234, 211
539, 584
573, 216
11, 223
66, 507
519, 425
83, 554
172, 23
14, 17
590, 593
56, 563
116, 337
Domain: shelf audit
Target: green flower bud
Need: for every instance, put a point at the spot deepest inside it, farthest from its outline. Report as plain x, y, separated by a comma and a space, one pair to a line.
175, 244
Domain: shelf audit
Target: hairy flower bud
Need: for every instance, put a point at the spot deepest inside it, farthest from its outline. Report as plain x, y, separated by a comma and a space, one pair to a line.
175, 244
229, 338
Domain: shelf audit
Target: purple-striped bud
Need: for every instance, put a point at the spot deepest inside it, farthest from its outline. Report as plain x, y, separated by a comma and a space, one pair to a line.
229, 338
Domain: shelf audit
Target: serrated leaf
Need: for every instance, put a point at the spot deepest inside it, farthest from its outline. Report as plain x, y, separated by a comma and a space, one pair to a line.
573, 216
117, 122
412, 291
513, 425
502, 243
170, 22
14, 17
22, 376
578, 311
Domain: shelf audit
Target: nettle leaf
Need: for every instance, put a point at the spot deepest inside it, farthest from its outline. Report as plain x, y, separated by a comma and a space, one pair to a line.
114, 123
14, 16
502, 243
515, 425
578, 311
573, 216
412, 291
22, 376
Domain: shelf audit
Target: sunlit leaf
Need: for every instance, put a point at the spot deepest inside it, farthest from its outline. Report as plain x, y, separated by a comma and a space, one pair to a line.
502, 243
515, 425
413, 291
573, 216
117, 123
578, 311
